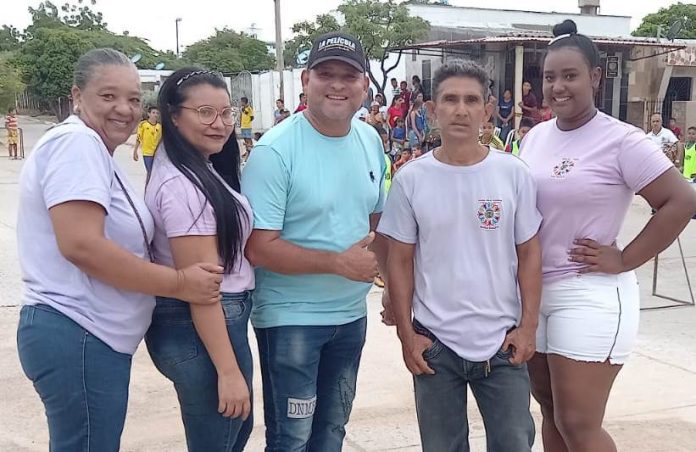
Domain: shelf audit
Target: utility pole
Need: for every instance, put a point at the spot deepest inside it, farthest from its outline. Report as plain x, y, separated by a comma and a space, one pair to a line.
176, 24
279, 47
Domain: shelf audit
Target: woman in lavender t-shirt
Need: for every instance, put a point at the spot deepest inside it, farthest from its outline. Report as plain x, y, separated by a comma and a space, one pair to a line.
588, 166
199, 215
84, 248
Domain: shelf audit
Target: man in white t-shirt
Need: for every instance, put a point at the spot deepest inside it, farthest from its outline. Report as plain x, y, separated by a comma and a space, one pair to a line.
663, 137
465, 259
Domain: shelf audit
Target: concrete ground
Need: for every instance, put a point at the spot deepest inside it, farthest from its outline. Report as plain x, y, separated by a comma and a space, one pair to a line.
652, 408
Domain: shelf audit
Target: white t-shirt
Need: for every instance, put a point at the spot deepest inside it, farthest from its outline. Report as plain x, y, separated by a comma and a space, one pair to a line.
71, 163
362, 113
465, 222
663, 138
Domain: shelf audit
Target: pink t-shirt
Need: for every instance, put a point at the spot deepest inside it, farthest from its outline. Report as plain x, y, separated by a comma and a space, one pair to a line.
180, 209
586, 179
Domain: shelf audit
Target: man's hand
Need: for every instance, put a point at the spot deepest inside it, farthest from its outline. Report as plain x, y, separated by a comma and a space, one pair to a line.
523, 342
387, 313
357, 263
412, 347
598, 258
135, 155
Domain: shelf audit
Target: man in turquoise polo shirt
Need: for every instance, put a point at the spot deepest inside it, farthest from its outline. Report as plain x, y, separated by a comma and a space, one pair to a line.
316, 185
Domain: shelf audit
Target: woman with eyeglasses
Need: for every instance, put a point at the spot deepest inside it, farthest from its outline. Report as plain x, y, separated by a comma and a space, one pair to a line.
201, 216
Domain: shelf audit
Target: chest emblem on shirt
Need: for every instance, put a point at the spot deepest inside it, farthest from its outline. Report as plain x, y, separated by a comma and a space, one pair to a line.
561, 170
489, 213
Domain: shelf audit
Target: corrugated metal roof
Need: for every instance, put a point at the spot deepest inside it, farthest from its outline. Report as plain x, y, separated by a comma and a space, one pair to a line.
540, 37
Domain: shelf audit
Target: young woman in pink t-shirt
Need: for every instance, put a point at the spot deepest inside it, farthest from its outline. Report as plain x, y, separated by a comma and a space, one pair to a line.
588, 166
200, 215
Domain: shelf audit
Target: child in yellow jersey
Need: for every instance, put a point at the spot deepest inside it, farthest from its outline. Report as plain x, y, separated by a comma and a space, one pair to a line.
514, 146
148, 137
245, 122
488, 138
12, 127
690, 154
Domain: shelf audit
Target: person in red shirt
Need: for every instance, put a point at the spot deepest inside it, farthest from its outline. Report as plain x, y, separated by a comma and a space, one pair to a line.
545, 112
406, 96
396, 110
303, 103
529, 104
675, 128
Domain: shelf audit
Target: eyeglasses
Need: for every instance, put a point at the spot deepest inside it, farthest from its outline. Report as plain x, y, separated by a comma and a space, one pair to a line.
208, 115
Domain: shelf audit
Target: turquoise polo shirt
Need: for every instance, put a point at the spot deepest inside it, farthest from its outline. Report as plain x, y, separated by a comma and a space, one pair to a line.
319, 192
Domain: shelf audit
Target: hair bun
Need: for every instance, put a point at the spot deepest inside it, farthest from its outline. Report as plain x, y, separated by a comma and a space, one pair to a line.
565, 28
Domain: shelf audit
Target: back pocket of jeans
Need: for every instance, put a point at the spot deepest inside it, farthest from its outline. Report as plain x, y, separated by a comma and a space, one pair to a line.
234, 310
169, 344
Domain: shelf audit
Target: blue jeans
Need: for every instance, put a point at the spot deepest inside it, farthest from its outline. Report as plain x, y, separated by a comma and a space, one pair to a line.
501, 391
505, 130
82, 382
148, 160
180, 355
309, 375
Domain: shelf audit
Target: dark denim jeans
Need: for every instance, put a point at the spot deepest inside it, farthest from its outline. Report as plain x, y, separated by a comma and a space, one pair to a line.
501, 391
148, 160
309, 375
82, 382
180, 355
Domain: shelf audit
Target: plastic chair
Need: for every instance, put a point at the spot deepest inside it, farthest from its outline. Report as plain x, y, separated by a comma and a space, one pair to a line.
510, 137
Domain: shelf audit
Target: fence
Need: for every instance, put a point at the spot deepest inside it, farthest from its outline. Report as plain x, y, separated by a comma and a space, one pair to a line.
31, 105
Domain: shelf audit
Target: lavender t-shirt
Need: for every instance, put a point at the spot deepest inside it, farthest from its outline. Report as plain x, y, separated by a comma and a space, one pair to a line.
71, 163
180, 209
586, 179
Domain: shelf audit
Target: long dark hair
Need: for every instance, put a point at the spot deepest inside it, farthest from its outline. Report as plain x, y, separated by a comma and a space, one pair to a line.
229, 212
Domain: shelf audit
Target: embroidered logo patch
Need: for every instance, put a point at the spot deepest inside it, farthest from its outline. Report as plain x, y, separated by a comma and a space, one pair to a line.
301, 408
561, 170
489, 213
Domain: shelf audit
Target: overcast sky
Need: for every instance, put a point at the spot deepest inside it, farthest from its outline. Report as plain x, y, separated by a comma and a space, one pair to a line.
154, 19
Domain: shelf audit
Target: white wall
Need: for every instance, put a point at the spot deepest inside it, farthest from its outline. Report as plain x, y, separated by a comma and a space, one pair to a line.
463, 17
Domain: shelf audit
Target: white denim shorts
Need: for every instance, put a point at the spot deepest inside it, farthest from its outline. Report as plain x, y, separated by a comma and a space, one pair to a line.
590, 317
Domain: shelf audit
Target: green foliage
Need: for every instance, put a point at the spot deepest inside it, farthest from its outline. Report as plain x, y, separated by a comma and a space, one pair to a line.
305, 34
47, 61
9, 38
46, 52
10, 82
229, 51
665, 17
379, 25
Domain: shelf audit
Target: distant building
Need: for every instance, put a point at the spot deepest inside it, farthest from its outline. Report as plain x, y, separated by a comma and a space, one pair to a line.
511, 44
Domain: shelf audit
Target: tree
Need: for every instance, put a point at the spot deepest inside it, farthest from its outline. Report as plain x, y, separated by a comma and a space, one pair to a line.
47, 61
49, 15
10, 82
49, 47
82, 17
228, 51
305, 34
665, 17
9, 38
380, 26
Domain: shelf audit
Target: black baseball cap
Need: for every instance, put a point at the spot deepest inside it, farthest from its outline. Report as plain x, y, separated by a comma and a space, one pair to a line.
337, 46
